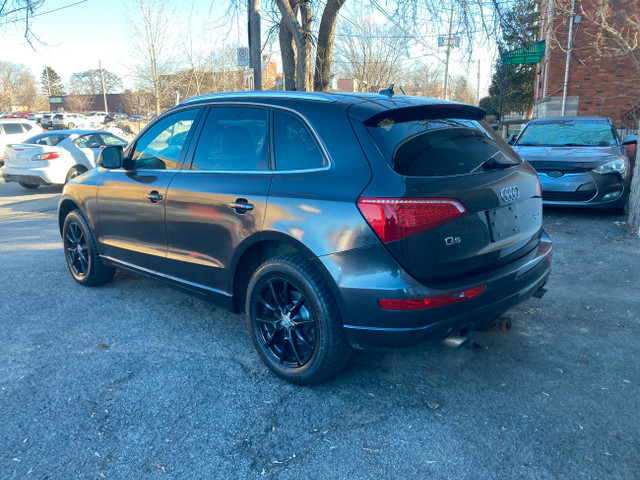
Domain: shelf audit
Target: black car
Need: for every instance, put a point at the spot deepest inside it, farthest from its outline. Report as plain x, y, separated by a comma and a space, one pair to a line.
333, 220
580, 160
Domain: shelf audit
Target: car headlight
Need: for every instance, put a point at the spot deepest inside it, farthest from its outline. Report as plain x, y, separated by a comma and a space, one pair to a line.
617, 166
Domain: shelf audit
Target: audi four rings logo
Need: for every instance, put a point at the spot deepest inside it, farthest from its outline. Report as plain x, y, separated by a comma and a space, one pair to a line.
509, 194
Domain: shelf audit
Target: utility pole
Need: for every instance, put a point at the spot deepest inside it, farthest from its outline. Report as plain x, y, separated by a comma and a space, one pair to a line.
104, 92
478, 86
568, 64
255, 57
446, 64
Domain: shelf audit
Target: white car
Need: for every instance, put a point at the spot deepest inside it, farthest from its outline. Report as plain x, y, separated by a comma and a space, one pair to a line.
54, 158
69, 120
15, 130
96, 117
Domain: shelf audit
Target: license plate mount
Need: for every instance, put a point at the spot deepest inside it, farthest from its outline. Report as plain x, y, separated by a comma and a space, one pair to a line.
503, 222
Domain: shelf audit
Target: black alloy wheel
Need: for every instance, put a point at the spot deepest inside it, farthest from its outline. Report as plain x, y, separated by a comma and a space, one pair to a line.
81, 252
294, 321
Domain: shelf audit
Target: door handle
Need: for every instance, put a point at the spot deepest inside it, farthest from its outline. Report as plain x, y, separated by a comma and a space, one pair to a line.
241, 206
154, 196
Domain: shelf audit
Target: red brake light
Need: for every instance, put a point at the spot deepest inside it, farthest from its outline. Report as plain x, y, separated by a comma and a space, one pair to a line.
394, 218
46, 156
431, 302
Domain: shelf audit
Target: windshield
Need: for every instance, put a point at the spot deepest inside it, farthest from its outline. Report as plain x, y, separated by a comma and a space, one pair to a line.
568, 133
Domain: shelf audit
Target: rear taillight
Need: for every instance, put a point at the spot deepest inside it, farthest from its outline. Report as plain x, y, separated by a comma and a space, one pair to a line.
431, 302
538, 187
394, 218
46, 156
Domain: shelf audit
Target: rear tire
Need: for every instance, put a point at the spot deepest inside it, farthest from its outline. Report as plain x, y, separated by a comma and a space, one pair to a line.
81, 252
75, 172
71, 125
30, 186
294, 321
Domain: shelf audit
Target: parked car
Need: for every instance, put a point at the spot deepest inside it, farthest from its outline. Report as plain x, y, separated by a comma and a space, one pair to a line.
47, 120
55, 157
68, 120
35, 116
334, 221
580, 161
97, 117
15, 130
116, 117
630, 144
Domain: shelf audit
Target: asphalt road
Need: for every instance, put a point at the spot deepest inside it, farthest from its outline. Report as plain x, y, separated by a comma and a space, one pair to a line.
138, 380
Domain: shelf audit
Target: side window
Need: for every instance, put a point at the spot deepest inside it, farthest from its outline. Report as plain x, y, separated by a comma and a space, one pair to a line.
111, 140
233, 139
12, 128
295, 146
160, 147
90, 140
27, 126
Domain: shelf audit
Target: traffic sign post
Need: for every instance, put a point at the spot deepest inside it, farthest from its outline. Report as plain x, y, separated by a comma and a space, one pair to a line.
243, 57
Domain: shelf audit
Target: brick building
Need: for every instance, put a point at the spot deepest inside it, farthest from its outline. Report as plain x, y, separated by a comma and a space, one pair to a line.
599, 84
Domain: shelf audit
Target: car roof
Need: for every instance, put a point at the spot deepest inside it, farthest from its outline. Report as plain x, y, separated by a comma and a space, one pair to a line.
16, 120
76, 131
368, 104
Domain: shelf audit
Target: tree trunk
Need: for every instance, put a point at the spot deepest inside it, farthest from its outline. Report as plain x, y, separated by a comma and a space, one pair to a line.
634, 197
288, 57
302, 38
324, 51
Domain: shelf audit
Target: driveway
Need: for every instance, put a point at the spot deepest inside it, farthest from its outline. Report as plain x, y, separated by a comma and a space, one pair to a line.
138, 380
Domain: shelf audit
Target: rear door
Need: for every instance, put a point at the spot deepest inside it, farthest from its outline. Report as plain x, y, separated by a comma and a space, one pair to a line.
462, 201
131, 201
220, 200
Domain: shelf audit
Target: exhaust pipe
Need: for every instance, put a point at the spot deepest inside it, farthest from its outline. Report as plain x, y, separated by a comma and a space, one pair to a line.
454, 341
541, 291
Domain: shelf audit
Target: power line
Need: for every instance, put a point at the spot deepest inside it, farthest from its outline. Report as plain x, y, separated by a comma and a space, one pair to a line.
17, 20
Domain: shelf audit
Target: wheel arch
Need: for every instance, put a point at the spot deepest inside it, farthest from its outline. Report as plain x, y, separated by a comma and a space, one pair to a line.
272, 244
66, 205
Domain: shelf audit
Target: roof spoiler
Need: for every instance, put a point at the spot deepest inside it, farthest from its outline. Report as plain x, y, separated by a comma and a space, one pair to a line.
422, 112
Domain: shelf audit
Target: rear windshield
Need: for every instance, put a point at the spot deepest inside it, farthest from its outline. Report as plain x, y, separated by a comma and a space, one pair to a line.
441, 147
567, 133
50, 139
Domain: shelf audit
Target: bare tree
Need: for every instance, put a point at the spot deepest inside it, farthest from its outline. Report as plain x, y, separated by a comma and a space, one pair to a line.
370, 53
151, 28
425, 81
89, 83
77, 102
19, 12
18, 87
460, 90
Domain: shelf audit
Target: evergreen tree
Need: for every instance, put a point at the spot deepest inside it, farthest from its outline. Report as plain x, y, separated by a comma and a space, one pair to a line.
51, 83
512, 86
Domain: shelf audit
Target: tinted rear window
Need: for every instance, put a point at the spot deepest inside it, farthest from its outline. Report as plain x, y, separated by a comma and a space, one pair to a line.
568, 133
440, 147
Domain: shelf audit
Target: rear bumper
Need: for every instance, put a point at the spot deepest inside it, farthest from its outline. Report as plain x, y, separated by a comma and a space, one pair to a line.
48, 175
361, 283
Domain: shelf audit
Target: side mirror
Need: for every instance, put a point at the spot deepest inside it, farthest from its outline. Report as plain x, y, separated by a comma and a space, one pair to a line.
111, 157
630, 139
512, 139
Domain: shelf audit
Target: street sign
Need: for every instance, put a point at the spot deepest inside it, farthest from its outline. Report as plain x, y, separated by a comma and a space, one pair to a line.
247, 79
521, 56
243, 57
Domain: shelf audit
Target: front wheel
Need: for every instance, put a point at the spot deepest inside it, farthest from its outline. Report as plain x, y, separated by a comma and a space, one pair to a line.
81, 252
294, 321
71, 125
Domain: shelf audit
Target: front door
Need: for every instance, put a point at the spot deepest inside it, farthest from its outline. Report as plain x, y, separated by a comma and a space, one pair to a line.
221, 200
131, 201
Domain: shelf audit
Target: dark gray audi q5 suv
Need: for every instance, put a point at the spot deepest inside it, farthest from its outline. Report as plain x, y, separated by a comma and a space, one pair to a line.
333, 220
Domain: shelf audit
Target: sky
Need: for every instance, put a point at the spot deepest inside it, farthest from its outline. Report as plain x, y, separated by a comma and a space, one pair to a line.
74, 35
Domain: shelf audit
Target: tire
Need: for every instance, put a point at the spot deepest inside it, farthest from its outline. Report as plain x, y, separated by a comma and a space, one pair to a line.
309, 346
81, 252
71, 125
30, 186
74, 172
